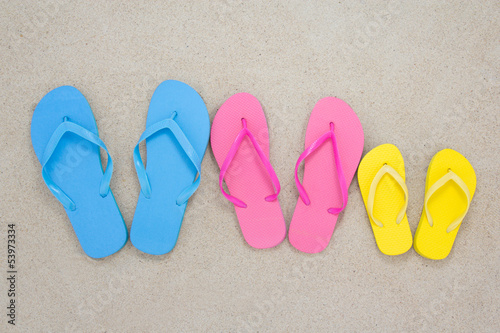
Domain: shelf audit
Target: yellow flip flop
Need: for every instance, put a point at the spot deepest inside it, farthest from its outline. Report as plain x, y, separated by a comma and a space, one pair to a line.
381, 178
449, 188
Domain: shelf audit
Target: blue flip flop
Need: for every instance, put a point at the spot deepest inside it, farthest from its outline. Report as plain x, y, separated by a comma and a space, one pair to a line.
177, 132
65, 139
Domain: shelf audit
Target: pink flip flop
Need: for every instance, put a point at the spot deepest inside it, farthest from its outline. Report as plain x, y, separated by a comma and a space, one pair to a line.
240, 142
328, 172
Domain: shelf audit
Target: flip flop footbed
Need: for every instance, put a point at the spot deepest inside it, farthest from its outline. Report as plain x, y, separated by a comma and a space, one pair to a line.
392, 238
247, 179
445, 205
158, 219
75, 166
312, 226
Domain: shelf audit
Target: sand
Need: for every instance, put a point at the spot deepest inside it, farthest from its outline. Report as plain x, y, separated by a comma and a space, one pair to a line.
421, 75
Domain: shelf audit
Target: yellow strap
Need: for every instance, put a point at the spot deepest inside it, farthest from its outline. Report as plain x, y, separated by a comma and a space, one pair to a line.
450, 175
386, 169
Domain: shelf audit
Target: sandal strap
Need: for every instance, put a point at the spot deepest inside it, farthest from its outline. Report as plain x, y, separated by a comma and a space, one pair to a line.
186, 146
386, 169
449, 176
340, 173
230, 155
70, 127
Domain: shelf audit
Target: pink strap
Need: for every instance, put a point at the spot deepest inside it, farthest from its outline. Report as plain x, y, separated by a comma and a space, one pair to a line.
263, 158
309, 150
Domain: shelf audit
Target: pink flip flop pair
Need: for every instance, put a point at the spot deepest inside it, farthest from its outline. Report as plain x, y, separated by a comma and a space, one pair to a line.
334, 144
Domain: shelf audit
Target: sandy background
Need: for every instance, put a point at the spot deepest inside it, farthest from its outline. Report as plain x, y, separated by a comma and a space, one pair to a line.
423, 76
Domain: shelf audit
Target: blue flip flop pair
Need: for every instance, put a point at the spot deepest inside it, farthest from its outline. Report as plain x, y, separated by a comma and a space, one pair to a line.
65, 139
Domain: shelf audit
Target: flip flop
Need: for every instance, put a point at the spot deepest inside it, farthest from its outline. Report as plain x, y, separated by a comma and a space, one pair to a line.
65, 139
449, 188
381, 178
240, 142
327, 173
177, 131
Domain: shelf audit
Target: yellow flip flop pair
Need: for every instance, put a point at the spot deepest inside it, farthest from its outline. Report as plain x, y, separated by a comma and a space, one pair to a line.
449, 188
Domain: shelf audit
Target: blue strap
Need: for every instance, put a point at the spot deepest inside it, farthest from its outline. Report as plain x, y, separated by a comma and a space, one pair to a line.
65, 127
185, 145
